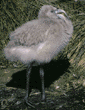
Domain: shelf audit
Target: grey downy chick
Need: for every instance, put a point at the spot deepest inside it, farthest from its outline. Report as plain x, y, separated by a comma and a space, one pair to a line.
40, 40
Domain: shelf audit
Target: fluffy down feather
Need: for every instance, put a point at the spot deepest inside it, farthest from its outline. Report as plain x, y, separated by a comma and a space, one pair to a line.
42, 39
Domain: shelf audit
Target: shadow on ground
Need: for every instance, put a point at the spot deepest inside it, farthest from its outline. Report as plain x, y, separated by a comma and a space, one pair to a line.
53, 71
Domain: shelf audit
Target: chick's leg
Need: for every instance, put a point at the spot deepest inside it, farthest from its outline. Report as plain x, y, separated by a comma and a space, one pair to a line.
42, 81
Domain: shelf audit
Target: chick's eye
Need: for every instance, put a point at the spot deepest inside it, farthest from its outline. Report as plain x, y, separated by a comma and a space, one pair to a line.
52, 11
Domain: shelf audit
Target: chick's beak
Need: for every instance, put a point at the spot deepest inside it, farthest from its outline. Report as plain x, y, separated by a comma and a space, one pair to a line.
61, 11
